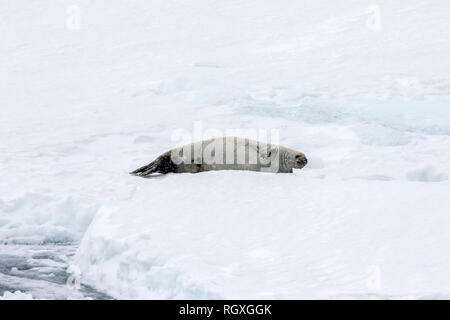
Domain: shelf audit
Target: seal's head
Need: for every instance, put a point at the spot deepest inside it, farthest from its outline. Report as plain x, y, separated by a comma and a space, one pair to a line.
291, 159
300, 160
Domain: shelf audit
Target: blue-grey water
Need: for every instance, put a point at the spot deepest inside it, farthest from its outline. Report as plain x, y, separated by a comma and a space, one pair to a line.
42, 271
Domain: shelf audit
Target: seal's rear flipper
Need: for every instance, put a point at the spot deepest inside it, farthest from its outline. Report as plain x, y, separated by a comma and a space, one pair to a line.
146, 170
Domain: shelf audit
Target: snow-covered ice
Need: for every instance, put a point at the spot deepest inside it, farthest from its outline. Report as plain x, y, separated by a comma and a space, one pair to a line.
361, 87
246, 235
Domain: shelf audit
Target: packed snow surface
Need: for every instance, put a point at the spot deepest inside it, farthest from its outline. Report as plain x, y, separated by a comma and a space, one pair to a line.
361, 87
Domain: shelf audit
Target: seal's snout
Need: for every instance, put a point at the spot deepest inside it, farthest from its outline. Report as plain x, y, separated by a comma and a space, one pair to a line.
301, 160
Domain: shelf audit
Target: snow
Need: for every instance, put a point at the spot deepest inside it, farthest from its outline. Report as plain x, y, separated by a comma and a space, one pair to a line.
369, 105
187, 238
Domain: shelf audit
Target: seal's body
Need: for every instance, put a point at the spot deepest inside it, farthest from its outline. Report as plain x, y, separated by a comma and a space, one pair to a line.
228, 153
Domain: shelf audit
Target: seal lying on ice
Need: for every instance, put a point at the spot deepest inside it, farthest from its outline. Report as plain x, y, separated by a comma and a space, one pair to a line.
227, 153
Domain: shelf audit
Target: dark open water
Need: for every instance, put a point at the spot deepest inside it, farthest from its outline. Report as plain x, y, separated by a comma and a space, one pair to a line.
42, 271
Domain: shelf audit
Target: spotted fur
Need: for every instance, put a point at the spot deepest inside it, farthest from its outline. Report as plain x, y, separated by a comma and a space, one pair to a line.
288, 159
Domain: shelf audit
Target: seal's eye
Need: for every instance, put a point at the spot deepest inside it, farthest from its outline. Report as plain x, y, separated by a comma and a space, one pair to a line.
297, 156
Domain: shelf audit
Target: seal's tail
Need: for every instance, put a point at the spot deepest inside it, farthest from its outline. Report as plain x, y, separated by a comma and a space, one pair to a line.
152, 167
